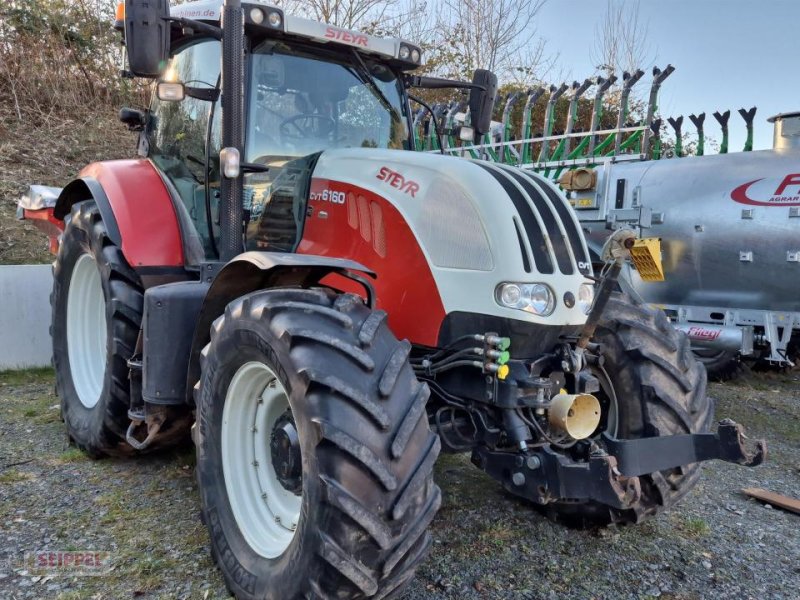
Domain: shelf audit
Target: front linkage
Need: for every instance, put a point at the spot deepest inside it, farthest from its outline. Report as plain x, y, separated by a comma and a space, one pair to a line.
611, 475
548, 459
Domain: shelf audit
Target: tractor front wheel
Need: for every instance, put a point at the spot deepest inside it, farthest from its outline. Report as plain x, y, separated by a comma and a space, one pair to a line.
314, 452
653, 386
97, 311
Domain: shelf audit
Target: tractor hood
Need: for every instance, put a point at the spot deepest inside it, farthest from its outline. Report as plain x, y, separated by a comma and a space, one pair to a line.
478, 224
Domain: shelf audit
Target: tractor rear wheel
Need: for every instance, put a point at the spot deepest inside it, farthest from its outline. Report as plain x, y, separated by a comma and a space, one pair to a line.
659, 388
97, 311
314, 455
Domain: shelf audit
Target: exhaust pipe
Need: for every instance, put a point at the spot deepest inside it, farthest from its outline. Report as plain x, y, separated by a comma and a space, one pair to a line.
574, 415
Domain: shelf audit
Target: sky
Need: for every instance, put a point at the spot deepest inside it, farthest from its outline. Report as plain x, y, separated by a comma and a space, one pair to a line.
727, 54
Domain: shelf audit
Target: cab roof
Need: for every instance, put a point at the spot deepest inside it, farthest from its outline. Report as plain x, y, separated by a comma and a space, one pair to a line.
323, 33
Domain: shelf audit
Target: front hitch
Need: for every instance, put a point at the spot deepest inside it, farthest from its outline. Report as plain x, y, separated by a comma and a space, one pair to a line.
611, 476
648, 455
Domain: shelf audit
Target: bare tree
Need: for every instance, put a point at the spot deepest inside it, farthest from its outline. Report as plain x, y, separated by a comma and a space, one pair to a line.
621, 40
367, 15
491, 34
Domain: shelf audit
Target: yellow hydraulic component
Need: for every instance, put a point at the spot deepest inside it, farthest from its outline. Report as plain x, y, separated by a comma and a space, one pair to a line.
646, 256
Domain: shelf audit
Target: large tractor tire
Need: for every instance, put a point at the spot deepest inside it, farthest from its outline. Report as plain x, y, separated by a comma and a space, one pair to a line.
97, 311
314, 455
659, 388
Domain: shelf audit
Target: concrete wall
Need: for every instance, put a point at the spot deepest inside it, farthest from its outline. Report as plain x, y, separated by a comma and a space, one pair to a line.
25, 316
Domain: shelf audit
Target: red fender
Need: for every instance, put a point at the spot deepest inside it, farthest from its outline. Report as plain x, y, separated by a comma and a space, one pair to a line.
143, 209
357, 224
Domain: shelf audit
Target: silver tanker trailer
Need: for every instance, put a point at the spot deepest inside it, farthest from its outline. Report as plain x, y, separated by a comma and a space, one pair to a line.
729, 226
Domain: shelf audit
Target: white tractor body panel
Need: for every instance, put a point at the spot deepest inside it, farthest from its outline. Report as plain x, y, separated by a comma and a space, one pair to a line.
449, 198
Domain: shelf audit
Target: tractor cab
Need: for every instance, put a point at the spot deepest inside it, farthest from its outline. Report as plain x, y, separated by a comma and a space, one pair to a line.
308, 87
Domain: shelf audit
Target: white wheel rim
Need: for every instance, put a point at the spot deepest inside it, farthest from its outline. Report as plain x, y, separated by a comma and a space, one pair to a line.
267, 514
86, 331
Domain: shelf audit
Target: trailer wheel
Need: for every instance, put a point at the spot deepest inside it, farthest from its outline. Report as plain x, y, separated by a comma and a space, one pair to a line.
660, 389
314, 455
721, 365
97, 312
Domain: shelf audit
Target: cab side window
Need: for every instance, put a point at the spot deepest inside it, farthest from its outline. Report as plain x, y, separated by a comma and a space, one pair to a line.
178, 131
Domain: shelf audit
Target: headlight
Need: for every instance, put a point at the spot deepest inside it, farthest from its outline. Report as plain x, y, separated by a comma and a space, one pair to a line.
586, 297
536, 298
257, 15
405, 52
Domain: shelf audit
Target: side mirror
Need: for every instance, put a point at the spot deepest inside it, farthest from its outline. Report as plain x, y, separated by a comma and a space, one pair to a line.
134, 119
481, 102
147, 36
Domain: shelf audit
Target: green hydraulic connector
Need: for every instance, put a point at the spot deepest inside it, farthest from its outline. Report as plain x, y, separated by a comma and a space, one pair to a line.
434, 143
676, 126
470, 149
629, 80
491, 153
450, 122
608, 142
697, 121
748, 116
563, 148
527, 124
507, 152
603, 86
722, 119
419, 141
632, 142
652, 104
561, 144
655, 136
549, 120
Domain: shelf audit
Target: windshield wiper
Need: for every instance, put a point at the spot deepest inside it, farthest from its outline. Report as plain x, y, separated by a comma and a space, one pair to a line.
363, 73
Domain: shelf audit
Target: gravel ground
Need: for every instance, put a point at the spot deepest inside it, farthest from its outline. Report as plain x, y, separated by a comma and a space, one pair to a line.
715, 544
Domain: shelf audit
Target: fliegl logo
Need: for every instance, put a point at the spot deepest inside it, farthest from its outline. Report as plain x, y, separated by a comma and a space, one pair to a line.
396, 180
703, 333
755, 193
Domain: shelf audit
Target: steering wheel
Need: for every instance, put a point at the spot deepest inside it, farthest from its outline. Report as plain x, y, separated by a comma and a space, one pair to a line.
301, 127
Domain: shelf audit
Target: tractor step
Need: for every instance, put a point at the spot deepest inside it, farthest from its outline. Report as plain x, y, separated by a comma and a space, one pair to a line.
136, 414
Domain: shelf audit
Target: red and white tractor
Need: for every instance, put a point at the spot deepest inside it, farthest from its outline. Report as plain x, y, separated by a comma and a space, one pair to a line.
326, 310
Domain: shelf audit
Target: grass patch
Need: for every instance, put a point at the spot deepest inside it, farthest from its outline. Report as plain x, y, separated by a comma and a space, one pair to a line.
71, 455
694, 527
27, 376
14, 476
498, 536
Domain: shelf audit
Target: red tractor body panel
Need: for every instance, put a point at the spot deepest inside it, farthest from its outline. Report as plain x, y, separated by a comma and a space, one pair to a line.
44, 220
143, 210
366, 228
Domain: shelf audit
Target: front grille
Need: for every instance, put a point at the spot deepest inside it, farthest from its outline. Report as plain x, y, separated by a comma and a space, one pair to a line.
553, 235
538, 239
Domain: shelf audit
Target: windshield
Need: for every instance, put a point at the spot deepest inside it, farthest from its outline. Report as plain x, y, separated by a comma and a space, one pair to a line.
300, 104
